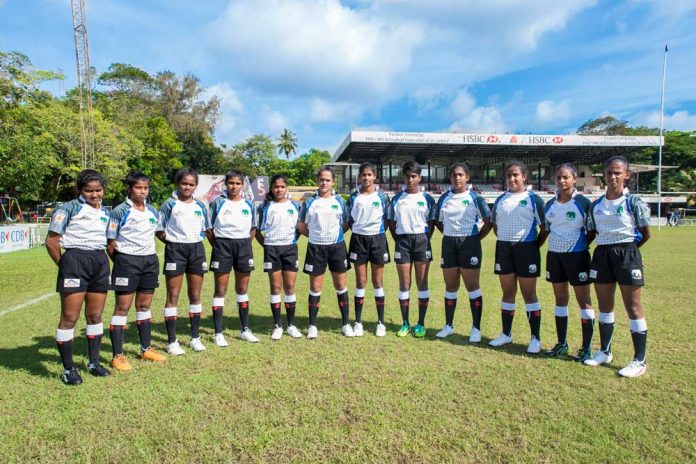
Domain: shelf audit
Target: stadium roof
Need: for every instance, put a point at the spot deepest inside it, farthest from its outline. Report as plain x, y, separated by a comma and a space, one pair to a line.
444, 148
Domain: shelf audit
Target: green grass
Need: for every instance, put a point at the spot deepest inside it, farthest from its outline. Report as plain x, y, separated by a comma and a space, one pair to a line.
355, 400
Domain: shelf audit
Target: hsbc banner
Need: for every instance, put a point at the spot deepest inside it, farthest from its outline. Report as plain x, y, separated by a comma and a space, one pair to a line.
13, 238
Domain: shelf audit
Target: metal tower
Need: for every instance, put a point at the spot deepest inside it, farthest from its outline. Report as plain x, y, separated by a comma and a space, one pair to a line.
84, 82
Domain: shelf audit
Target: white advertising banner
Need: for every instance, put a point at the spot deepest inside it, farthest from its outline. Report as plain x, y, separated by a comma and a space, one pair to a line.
13, 238
209, 187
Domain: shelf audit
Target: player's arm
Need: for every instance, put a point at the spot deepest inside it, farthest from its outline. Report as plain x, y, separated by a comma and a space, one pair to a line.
53, 246
543, 234
431, 228
486, 228
645, 232
392, 229
259, 236
111, 248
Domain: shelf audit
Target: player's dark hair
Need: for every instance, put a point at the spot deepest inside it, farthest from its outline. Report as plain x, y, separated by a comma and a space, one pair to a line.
274, 179
411, 166
462, 166
569, 166
134, 177
616, 159
232, 173
325, 169
89, 175
367, 165
183, 172
519, 164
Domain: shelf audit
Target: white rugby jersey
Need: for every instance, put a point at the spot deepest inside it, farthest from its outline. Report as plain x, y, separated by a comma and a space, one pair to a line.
80, 225
132, 229
183, 222
367, 212
460, 213
324, 218
566, 224
411, 212
517, 216
277, 221
232, 219
617, 221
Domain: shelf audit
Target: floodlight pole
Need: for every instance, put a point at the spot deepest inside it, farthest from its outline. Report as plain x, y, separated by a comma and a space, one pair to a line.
659, 156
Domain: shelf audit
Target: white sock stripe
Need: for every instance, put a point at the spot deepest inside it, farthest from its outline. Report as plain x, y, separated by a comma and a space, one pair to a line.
65, 335
475, 294
274, 299
450, 295
561, 311
404, 295
423, 294
242, 298
94, 329
170, 312
587, 314
638, 325
341, 292
532, 306
314, 293
219, 301
505, 306
118, 320
143, 315
379, 291
290, 298
196, 309
606, 318
359, 293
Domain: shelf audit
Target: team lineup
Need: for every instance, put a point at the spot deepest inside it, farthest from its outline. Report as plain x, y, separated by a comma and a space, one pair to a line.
83, 236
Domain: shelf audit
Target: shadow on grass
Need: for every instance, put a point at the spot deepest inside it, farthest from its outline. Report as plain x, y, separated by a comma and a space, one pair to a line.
34, 357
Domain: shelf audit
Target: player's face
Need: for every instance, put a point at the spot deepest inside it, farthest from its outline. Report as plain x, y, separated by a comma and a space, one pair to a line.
139, 191
459, 178
187, 185
367, 178
234, 187
325, 182
515, 179
565, 180
616, 175
412, 182
93, 192
279, 189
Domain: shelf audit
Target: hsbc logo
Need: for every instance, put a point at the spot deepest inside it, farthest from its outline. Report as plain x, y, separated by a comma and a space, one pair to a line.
492, 139
557, 139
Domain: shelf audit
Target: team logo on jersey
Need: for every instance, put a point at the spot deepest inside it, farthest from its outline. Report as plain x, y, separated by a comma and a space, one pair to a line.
582, 277
636, 274
71, 283
570, 215
104, 219
121, 281
113, 225
465, 202
523, 202
532, 268
375, 204
421, 204
474, 260
291, 212
245, 212
619, 210
198, 213
153, 221
334, 206
59, 217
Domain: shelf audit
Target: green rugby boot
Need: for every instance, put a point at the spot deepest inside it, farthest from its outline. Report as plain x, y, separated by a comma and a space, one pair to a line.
404, 330
419, 331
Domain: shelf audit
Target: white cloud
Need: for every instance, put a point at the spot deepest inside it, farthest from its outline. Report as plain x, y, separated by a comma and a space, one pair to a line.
273, 120
229, 100
462, 104
548, 111
322, 111
679, 120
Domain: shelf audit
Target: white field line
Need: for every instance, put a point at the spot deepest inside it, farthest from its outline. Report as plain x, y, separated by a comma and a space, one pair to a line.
27, 303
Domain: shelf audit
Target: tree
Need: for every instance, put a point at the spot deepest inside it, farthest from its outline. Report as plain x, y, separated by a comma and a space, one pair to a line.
605, 125
260, 153
287, 143
303, 169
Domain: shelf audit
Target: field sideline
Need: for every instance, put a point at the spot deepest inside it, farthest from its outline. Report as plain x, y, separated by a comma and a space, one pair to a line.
354, 400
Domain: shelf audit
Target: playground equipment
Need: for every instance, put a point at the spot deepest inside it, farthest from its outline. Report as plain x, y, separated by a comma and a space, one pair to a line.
10, 211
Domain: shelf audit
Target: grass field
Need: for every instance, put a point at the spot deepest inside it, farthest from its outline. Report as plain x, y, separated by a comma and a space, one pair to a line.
354, 400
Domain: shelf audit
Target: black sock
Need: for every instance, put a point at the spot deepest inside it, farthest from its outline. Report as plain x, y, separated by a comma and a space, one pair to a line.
606, 332
290, 311
562, 329
313, 305
587, 326
534, 318
640, 341
403, 305
170, 323
275, 311
195, 319
243, 308
359, 301
344, 306
507, 317
117, 333
422, 310
450, 307
145, 333
379, 303
217, 318
93, 348
476, 305
65, 348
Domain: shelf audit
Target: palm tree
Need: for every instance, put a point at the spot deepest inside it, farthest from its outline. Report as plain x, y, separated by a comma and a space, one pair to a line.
287, 143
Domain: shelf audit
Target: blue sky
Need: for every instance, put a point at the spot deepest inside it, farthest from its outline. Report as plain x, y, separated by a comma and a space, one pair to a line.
323, 67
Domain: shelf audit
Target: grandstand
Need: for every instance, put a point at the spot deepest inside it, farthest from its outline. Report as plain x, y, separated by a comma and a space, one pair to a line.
486, 155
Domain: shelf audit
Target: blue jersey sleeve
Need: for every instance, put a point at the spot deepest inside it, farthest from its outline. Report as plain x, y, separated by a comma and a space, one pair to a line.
61, 217
539, 209
165, 213
482, 206
116, 219
435, 214
639, 210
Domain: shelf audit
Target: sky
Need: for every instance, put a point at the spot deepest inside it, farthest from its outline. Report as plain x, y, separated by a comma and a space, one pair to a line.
324, 67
